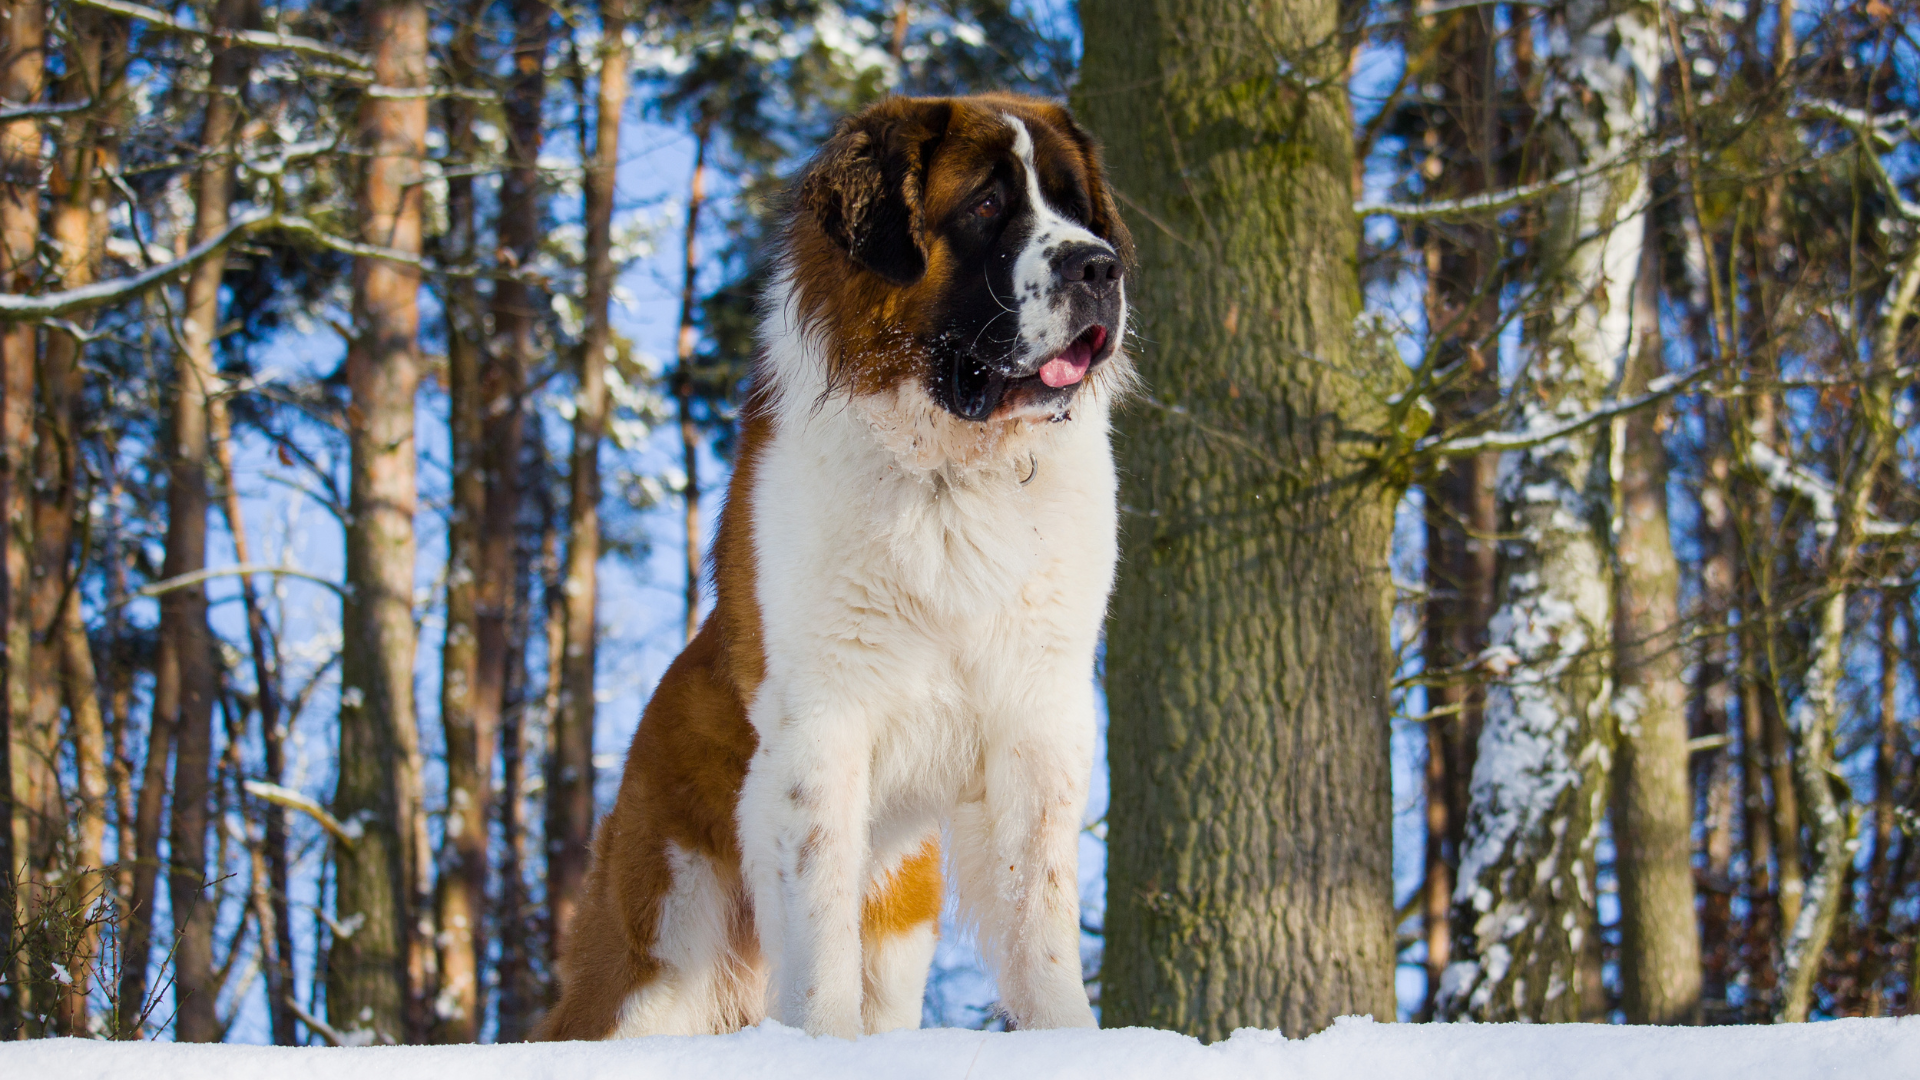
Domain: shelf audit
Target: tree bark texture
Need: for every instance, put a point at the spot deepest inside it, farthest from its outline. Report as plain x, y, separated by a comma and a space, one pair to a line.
1652, 794
72, 194
461, 881
367, 970
1539, 784
93, 57
186, 641
1247, 659
22, 80
570, 783
512, 351
1463, 320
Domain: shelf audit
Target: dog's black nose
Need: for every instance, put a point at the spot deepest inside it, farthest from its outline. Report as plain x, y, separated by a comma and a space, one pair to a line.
1092, 266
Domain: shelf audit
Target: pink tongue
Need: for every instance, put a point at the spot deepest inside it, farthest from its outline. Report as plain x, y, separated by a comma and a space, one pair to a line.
1067, 368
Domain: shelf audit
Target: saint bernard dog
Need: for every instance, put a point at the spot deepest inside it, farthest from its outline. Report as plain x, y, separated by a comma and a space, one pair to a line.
912, 567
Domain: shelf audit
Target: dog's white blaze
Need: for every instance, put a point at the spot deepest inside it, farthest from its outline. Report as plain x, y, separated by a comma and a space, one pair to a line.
928, 624
1044, 329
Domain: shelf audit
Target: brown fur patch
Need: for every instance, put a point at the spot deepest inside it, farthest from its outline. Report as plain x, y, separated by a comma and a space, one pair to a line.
684, 770
906, 898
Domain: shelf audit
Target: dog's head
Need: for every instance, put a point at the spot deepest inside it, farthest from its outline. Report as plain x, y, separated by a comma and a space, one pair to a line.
967, 243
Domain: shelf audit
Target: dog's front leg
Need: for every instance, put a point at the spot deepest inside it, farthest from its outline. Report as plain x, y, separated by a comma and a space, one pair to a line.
803, 830
1016, 854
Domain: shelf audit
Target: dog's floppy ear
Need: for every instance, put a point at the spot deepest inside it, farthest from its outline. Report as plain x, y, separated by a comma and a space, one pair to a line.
864, 188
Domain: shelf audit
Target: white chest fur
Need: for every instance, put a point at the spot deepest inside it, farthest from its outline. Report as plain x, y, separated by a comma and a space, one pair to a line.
930, 594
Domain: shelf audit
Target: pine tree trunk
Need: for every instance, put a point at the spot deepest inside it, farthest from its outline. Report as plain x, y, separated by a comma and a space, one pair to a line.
93, 52
1652, 797
1539, 786
187, 647
22, 80
570, 781
513, 350
368, 970
1249, 878
1463, 318
73, 189
89, 883
460, 888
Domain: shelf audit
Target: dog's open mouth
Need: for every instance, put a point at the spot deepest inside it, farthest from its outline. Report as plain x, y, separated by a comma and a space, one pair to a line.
977, 389
1072, 363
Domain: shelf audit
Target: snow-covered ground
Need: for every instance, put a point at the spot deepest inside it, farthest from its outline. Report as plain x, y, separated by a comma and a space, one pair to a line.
1354, 1049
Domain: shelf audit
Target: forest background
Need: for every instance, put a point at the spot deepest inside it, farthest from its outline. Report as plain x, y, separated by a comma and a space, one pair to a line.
1540, 644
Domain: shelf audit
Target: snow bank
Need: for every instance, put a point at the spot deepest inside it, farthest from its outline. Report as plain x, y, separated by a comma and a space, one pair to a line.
1354, 1049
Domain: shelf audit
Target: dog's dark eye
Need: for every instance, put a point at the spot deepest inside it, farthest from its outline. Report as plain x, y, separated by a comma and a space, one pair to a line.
987, 208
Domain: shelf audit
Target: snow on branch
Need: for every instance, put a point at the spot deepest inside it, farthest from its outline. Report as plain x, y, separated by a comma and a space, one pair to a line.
294, 800
188, 580
15, 307
1783, 475
307, 229
262, 39
1869, 130
10, 110
1664, 387
1495, 201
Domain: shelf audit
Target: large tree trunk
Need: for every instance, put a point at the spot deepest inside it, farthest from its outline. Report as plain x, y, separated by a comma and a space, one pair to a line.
1652, 797
22, 80
1539, 786
570, 779
367, 971
187, 648
1463, 319
1249, 875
